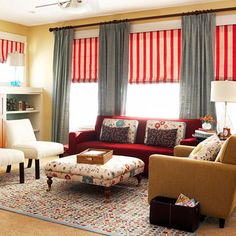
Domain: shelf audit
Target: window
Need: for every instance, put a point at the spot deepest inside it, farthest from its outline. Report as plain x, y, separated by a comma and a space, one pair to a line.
83, 105
225, 53
153, 89
12, 59
84, 89
153, 100
9, 74
225, 69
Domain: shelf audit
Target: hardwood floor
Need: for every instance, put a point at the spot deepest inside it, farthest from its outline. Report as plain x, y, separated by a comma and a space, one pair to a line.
12, 224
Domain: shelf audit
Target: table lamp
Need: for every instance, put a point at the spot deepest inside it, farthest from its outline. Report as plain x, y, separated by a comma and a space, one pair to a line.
224, 91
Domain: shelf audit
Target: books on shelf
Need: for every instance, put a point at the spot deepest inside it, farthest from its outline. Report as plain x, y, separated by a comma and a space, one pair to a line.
203, 133
207, 130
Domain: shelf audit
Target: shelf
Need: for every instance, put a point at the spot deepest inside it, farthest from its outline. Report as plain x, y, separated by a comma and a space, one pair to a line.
20, 90
9, 108
22, 112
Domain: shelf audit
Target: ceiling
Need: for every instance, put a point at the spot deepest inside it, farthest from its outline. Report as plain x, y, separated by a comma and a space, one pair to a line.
24, 11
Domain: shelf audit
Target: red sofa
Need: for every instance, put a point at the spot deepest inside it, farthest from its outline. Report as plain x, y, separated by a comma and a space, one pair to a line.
81, 140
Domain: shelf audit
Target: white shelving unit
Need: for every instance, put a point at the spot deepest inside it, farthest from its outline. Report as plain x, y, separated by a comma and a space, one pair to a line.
29, 95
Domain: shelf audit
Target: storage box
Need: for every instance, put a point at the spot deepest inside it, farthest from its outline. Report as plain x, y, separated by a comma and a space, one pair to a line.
94, 156
164, 212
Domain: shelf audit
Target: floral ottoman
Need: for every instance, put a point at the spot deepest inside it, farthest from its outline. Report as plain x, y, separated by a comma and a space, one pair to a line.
117, 169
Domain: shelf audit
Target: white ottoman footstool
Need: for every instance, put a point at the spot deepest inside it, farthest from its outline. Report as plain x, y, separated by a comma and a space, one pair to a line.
112, 172
9, 157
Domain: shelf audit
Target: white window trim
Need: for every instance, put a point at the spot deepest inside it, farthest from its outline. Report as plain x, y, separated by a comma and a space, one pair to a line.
13, 37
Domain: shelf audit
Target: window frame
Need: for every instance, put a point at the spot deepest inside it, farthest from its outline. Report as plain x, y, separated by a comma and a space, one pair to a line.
18, 38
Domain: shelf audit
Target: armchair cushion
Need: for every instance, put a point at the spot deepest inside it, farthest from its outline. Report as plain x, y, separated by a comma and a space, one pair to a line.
40, 149
207, 149
18, 131
183, 150
10, 156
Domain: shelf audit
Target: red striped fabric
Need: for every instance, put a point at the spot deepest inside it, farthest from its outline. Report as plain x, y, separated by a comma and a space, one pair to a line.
225, 53
85, 60
7, 46
155, 56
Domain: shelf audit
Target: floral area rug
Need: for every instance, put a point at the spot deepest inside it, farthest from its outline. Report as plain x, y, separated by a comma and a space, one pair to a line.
82, 206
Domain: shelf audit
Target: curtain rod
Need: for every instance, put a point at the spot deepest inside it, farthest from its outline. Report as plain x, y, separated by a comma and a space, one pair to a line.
147, 18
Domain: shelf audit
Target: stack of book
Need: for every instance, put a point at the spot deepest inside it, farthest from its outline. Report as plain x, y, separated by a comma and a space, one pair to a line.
204, 133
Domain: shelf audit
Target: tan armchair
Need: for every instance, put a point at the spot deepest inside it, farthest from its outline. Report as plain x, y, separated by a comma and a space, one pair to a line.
213, 184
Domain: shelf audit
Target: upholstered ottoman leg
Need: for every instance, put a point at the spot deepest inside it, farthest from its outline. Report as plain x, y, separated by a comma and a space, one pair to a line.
22, 174
107, 193
8, 169
37, 169
139, 178
29, 163
49, 182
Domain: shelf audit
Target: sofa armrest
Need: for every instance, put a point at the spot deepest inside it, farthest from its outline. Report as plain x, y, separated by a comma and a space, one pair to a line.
213, 184
79, 137
182, 150
189, 142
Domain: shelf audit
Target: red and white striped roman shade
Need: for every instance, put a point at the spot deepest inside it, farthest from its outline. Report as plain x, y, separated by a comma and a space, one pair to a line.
225, 53
155, 56
7, 46
85, 60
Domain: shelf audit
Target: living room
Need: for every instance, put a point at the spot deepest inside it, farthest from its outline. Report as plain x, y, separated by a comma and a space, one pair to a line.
55, 109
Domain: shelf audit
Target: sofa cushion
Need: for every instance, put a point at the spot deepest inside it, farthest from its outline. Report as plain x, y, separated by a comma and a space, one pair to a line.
114, 134
227, 153
156, 124
134, 150
207, 149
132, 124
161, 137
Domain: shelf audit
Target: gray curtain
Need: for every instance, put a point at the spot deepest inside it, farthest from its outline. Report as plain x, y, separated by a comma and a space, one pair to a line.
62, 59
113, 68
197, 65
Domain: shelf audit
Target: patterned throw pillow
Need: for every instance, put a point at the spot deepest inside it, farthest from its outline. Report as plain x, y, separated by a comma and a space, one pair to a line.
132, 124
157, 124
207, 150
114, 134
161, 137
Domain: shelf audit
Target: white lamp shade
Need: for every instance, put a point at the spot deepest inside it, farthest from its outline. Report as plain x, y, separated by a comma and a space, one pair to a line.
223, 91
16, 59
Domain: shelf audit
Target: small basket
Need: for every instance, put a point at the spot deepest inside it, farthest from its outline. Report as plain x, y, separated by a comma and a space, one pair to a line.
94, 156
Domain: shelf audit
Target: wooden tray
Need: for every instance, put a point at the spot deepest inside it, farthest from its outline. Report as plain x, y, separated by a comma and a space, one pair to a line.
94, 156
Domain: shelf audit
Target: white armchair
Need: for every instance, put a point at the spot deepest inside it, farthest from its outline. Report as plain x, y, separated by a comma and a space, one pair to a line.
20, 136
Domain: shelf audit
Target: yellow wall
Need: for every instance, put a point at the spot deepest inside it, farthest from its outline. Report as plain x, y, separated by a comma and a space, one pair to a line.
40, 48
